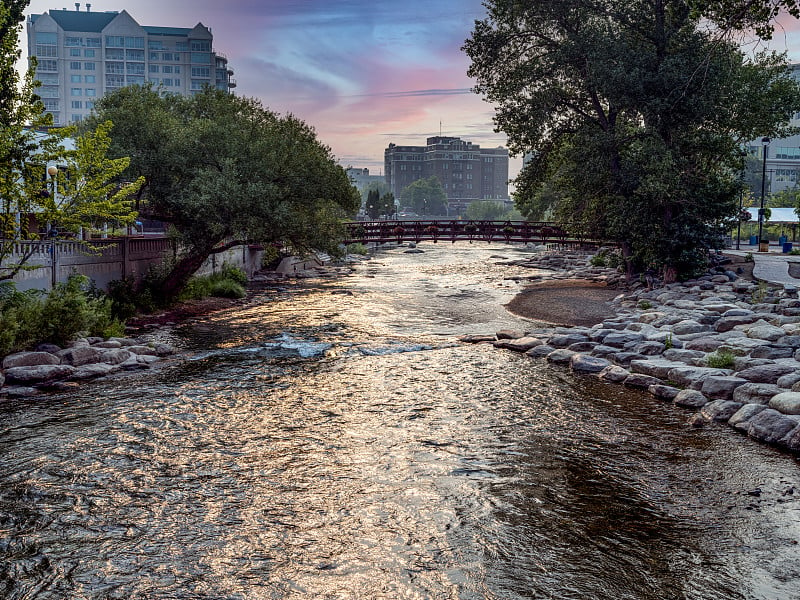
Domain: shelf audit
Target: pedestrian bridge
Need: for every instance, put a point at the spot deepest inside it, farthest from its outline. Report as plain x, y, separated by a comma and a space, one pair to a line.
540, 232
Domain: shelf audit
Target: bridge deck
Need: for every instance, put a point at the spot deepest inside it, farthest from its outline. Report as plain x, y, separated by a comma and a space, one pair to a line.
456, 230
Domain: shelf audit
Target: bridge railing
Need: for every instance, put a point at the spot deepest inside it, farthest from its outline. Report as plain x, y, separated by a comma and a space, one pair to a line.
454, 230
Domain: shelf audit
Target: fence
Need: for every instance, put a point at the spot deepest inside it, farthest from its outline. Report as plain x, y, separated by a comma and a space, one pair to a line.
104, 261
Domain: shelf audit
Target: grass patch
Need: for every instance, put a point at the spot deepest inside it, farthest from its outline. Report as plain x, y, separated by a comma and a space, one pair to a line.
721, 359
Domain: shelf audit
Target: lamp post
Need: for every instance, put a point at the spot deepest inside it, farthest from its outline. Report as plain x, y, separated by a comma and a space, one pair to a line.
52, 171
765, 143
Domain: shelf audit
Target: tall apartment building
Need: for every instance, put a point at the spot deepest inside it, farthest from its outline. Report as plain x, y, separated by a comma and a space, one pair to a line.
81, 55
467, 171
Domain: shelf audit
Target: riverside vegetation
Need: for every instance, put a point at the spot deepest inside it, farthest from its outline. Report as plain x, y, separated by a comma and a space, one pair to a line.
723, 346
76, 331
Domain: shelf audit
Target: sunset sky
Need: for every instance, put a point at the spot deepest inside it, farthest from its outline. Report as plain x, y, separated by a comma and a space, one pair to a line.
364, 73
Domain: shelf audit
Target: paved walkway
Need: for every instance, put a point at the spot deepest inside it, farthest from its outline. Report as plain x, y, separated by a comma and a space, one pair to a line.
772, 266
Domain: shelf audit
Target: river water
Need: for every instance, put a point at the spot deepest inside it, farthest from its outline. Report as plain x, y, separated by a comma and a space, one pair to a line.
333, 440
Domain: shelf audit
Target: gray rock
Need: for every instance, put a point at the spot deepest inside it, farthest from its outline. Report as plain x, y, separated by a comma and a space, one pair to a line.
50, 348
704, 344
786, 402
638, 380
622, 339
38, 374
115, 356
791, 441
772, 352
624, 359
663, 392
687, 376
560, 357
741, 418
614, 373
586, 363
117, 344
2, 379
788, 380
756, 393
80, 355
582, 346
616, 325
655, 367
130, 341
649, 348
93, 370
20, 391
793, 341
522, 344
503, 334
688, 326
690, 399
597, 335
720, 410
30, 359
565, 340
540, 351
682, 355
769, 373
764, 331
602, 351
721, 387
727, 323
770, 426
740, 312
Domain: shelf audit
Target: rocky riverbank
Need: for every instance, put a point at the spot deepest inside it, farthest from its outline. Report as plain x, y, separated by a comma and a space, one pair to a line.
723, 346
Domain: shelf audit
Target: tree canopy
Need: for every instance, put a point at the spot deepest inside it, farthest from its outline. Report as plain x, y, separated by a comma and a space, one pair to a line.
425, 196
634, 115
222, 170
378, 205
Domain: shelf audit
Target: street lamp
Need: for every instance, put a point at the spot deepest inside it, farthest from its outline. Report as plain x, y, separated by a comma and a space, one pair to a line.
765, 143
52, 171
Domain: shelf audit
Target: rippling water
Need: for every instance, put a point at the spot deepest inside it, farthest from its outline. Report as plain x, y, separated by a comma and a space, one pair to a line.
333, 441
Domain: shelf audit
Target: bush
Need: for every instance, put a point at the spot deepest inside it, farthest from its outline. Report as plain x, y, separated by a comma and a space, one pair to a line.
357, 248
227, 288
229, 282
721, 359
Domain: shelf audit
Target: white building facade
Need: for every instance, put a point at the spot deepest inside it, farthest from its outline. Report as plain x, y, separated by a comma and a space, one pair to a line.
82, 54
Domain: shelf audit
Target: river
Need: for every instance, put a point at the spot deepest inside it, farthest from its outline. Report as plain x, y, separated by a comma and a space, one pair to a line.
333, 440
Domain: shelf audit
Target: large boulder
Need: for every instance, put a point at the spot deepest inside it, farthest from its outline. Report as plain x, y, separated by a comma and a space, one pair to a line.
614, 373
92, 371
769, 373
655, 367
540, 351
791, 441
664, 392
503, 334
704, 344
688, 376
81, 355
30, 359
690, 399
522, 344
115, 356
764, 331
638, 380
688, 326
756, 393
560, 357
721, 387
770, 426
586, 363
720, 410
786, 402
772, 352
621, 339
741, 418
38, 374
144, 350
728, 322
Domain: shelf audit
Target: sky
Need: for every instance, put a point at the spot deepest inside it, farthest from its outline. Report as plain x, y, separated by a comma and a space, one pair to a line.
363, 73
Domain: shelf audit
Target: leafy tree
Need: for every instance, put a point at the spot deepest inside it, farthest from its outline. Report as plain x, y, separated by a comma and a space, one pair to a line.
486, 210
378, 186
738, 15
379, 205
635, 113
425, 196
223, 170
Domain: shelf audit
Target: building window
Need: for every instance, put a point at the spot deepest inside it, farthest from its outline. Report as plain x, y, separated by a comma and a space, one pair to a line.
47, 91
73, 41
134, 68
91, 92
200, 58
115, 54
177, 81
134, 55
167, 82
89, 53
50, 104
74, 51
155, 45
152, 56
75, 66
47, 65
93, 42
47, 79
46, 51
181, 46
152, 69
201, 72
77, 104
134, 42
75, 118
166, 69
90, 79
198, 84
89, 66
89, 104
201, 46
177, 69
115, 67
46, 37
76, 92
114, 81
75, 78
115, 41
135, 80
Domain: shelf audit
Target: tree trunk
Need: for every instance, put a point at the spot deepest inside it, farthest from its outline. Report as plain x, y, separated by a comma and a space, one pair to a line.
179, 276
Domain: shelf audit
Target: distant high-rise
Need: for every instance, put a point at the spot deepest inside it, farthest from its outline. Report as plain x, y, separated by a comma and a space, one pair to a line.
467, 171
81, 55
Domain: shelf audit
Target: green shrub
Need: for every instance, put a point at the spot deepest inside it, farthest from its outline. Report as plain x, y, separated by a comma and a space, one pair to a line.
227, 288
721, 359
357, 248
748, 258
645, 305
228, 282
598, 260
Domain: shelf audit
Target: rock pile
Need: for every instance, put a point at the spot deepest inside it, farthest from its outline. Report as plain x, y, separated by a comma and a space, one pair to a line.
51, 367
721, 345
